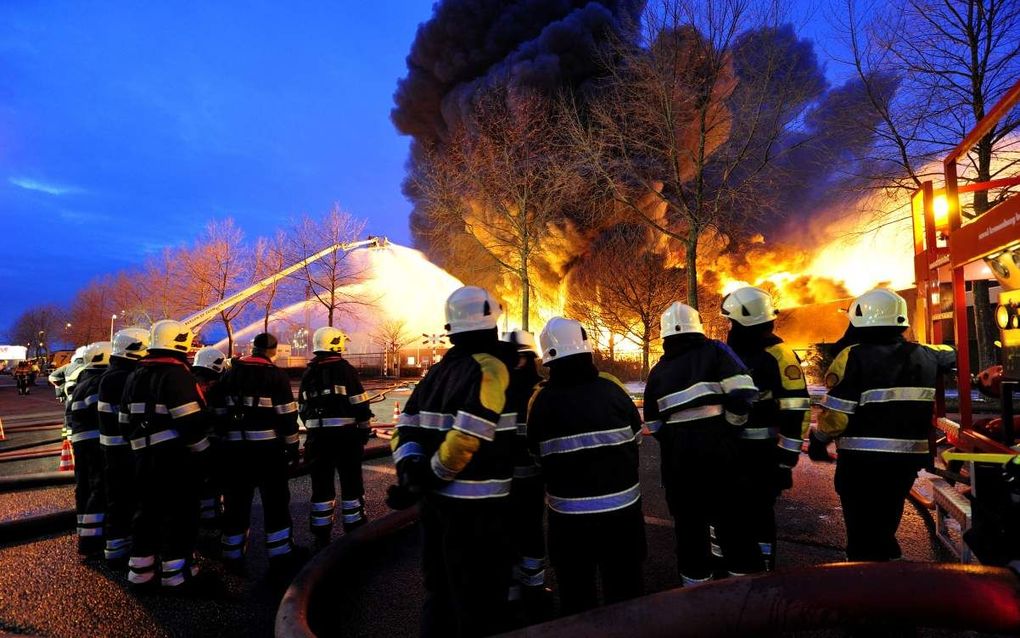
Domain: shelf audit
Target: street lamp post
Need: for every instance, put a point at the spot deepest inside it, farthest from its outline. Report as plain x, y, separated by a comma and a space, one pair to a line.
112, 319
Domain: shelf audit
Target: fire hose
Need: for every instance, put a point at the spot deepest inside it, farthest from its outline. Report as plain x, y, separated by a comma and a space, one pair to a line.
292, 617
948, 596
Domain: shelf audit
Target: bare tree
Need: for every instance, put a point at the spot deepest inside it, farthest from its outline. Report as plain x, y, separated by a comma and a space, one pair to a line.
932, 69
503, 181
38, 327
627, 286
270, 257
91, 311
696, 114
393, 336
324, 278
221, 264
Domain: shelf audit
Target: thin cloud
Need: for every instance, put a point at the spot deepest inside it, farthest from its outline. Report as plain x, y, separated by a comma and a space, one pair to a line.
43, 187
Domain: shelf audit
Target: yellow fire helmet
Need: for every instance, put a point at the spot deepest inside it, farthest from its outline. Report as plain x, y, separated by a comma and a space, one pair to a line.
329, 339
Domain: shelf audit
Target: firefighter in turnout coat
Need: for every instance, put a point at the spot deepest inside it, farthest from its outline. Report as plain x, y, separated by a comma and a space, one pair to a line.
697, 400
584, 428
879, 407
527, 493
334, 408
770, 443
207, 368
260, 440
129, 345
89, 490
161, 413
454, 449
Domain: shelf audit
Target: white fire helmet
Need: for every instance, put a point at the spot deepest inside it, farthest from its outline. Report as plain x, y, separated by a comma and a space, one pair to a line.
878, 307
210, 358
172, 335
97, 355
79, 355
131, 343
561, 338
749, 306
471, 308
329, 339
524, 340
680, 319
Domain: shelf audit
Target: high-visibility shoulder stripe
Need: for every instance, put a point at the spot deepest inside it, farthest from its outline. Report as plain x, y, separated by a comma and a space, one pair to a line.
495, 380
696, 391
830, 402
586, 441
471, 424
884, 395
185, 410
739, 383
876, 444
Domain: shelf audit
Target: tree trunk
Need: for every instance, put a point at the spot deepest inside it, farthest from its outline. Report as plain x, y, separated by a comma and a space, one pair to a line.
230, 338
985, 329
646, 346
329, 321
612, 346
525, 294
692, 271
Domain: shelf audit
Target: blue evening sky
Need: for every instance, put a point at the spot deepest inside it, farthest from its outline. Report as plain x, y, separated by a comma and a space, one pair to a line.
125, 126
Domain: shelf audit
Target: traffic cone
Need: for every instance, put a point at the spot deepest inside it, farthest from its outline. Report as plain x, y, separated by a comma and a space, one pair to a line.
66, 457
396, 411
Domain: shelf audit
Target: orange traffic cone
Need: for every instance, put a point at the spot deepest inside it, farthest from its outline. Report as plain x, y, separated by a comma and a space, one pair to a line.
396, 411
66, 457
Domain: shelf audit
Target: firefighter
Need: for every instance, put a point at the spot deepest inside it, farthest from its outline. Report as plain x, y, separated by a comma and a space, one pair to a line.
780, 417
697, 400
207, 368
260, 441
129, 345
527, 494
89, 489
453, 448
584, 428
161, 410
335, 410
69, 379
881, 392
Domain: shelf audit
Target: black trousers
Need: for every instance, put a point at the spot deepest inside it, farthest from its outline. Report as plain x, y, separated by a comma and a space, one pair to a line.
587, 550
252, 465
121, 498
872, 488
527, 517
466, 557
165, 524
89, 494
333, 451
703, 487
759, 485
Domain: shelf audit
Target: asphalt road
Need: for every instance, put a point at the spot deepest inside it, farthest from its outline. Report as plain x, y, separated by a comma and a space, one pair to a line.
46, 590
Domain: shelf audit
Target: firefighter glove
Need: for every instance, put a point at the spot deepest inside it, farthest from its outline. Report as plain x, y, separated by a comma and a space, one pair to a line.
454, 454
818, 450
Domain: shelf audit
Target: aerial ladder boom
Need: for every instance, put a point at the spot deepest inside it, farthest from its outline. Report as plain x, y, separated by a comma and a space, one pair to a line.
199, 318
